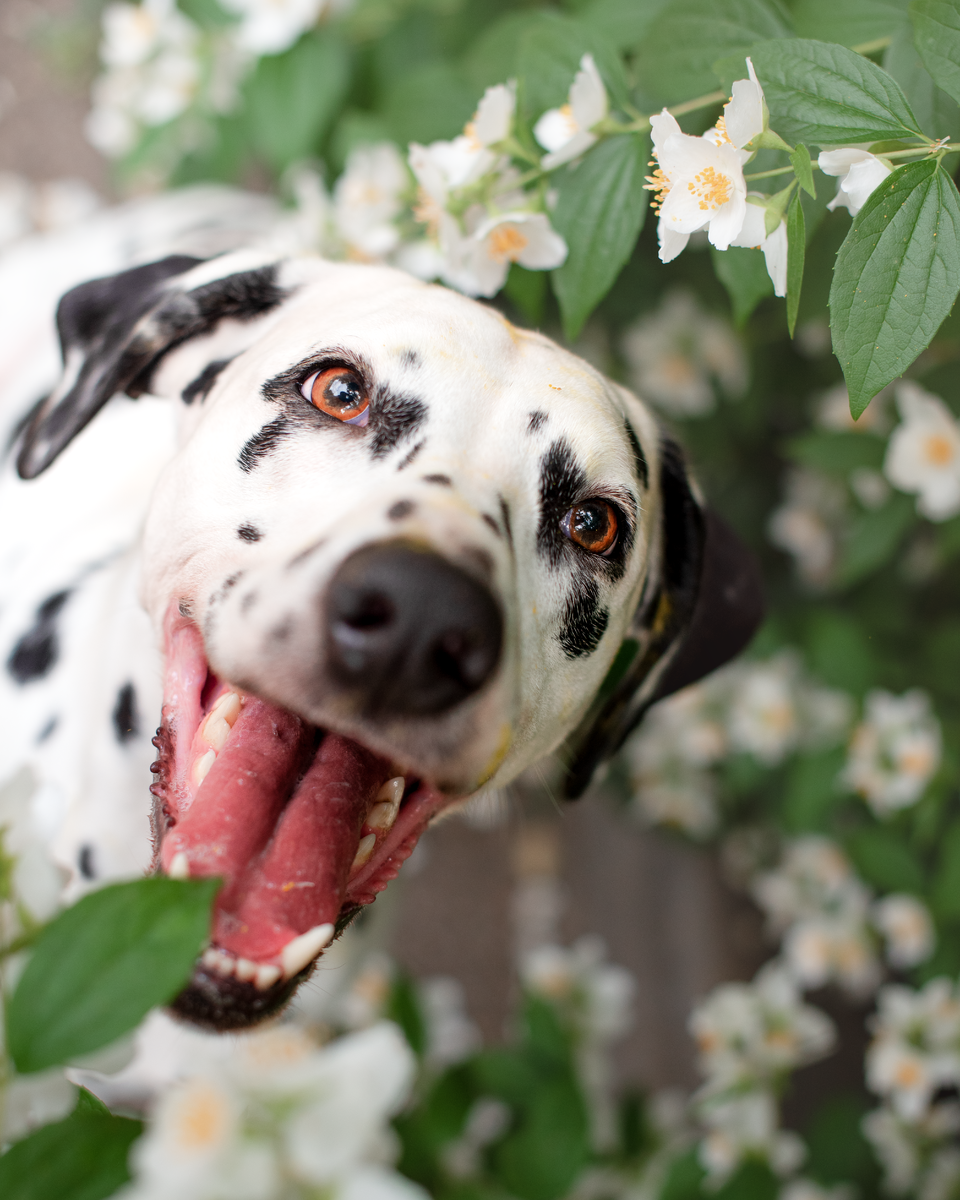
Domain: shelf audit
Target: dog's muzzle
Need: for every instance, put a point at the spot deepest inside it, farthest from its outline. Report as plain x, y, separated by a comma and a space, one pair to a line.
409, 633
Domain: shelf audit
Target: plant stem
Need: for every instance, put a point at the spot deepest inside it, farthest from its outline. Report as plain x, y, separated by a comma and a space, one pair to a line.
872, 47
775, 171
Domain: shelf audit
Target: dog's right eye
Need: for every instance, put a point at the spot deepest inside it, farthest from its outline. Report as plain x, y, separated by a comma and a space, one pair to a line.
339, 392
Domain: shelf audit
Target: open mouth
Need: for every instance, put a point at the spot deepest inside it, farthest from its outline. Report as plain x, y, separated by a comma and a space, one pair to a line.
304, 827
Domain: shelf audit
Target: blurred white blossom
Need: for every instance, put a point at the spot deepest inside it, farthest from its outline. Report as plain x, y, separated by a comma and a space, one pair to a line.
595, 995
565, 132
923, 455
272, 26
916, 1045
860, 174
906, 925
810, 523
894, 751
367, 199
675, 354
753, 235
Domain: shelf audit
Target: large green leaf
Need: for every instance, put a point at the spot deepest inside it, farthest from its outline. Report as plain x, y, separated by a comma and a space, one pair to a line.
674, 59
873, 539
743, 273
290, 99
83, 1157
849, 22
103, 964
540, 1159
824, 94
600, 211
936, 33
624, 22
896, 277
883, 859
837, 453
549, 56
427, 105
937, 113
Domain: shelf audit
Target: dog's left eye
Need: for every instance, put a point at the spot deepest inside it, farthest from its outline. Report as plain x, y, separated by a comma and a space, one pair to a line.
593, 525
339, 392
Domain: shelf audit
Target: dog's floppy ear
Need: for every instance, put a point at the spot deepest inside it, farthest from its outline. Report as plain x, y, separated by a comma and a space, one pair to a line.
113, 331
701, 605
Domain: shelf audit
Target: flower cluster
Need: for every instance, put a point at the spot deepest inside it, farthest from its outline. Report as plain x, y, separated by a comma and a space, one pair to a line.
828, 920
280, 1112
894, 751
749, 1037
594, 996
923, 454
765, 709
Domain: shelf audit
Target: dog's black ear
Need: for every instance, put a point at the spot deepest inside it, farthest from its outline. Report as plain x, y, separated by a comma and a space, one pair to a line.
114, 331
700, 607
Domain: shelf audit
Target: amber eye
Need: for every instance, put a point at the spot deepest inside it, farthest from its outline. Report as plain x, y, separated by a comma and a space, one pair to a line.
592, 525
339, 392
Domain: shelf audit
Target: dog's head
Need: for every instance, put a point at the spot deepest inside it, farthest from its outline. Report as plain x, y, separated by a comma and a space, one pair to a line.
404, 550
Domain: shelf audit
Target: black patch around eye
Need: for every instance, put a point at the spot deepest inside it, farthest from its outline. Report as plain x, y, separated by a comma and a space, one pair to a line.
36, 652
402, 508
126, 717
263, 442
248, 533
85, 862
440, 480
562, 481
405, 462
200, 388
410, 358
394, 417
639, 458
584, 622
48, 730
537, 421
493, 524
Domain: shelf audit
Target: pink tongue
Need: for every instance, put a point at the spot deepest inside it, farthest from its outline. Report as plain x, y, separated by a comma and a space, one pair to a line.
285, 865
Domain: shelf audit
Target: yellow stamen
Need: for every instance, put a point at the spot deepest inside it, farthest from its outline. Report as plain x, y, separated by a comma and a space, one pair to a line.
506, 243
711, 187
939, 450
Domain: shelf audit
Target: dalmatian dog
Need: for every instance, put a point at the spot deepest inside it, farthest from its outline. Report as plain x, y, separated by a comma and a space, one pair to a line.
357, 548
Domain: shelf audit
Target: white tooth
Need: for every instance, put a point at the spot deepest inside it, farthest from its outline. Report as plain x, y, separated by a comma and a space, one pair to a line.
392, 790
202, 766
304, 949
364, 850
215, 731
246, 969
216, 960
266, 977
227, 707
179, 866
210, 956
381, 816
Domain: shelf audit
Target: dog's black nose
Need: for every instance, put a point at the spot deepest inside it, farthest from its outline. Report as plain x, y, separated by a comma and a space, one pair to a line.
410, 632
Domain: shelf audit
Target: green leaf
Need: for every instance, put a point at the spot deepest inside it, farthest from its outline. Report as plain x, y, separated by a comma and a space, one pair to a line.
812, 790
744, 274
83, 1157
430, 104
684, 1178
945, 896
403, 1007
936, 34
896, 278
874, 537
624, 22
884, 860
849, 22
803, 168
839, 651
675, 57
837, 453
88, 1102
101, 966
601, 206
291, 99
824, 94
528, 291
937, 113
549, 57
541, 1158
752, 1180
839, 1153
796, 248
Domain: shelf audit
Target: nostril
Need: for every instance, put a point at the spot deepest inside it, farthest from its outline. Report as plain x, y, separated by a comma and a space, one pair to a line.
369, 611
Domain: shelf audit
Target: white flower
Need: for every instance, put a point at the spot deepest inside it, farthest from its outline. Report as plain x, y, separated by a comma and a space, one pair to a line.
894, 751
451, 1035
894, 1147
478, 262
445, 166
746, 1125
822, 949
905, 923
565, 131
860, 174
675, 351
764, 719
808, 525
753, 234
915, 1047
833, 412
923, 455
596, 995
272, 26
367, 198
807, 1189
698, 183
745, 113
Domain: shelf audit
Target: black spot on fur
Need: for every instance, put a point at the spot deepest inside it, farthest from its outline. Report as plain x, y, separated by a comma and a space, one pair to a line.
402, 508
263, 442
493, 524
305, 554
36, 653
184, 608
248, 601
411, 359
537, 421
248, 533
394, 418
440, 480
201, 386
405, 462
505, 515
126, 717
48, 730
639, 458
562, 482
584, 622
85, 862
227, 586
